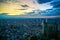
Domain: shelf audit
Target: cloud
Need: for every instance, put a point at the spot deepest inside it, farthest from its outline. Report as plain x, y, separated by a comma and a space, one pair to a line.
43, 1
3, 13
21, 9
3, 1
56, 4
48, 12
56, 0
24, 5
7, 1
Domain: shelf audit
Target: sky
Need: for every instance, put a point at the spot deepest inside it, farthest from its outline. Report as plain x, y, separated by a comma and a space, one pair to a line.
28, 7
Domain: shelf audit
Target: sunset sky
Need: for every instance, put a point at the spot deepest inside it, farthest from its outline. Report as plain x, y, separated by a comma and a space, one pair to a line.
18, 7
23, 7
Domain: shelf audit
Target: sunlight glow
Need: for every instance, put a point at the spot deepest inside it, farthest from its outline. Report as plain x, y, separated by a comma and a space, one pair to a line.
14, 8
